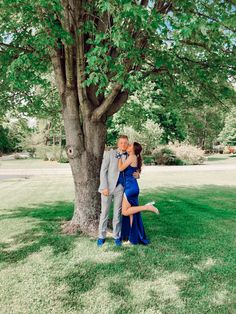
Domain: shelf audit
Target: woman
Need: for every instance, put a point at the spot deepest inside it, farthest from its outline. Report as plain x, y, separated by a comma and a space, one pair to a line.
132, 225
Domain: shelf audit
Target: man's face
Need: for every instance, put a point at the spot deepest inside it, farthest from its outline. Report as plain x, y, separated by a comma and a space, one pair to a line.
123, 144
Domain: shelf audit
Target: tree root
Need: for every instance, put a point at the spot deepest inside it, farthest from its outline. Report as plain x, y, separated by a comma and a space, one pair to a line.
67, 227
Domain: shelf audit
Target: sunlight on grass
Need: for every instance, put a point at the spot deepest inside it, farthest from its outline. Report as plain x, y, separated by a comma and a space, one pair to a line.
28, 287
15, 227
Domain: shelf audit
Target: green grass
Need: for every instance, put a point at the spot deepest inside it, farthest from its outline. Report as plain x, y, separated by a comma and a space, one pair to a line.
187, 268
216, 158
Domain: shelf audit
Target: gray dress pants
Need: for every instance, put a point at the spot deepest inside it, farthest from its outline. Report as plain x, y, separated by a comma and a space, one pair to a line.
106, 201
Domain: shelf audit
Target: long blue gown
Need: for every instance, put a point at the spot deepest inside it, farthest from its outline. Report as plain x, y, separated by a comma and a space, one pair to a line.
135, 233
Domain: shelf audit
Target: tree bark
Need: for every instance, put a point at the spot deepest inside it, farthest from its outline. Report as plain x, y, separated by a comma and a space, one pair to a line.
86, 169
85, 143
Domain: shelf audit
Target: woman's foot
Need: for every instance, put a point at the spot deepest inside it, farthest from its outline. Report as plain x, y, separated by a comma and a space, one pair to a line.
149, 206
127, 242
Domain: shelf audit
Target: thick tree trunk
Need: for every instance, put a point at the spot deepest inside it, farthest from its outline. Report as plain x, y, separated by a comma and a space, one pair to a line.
85, 171
87, 197
85, 147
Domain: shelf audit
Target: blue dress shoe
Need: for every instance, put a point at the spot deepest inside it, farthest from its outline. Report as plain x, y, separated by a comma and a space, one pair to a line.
100, 242
118, 242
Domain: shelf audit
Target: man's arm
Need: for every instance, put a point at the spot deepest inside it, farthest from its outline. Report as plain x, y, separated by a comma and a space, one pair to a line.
104, 171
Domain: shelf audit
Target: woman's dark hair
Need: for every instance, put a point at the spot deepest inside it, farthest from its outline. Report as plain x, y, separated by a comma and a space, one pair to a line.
137, 150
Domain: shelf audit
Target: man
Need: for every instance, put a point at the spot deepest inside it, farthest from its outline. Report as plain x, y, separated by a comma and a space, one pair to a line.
112, 188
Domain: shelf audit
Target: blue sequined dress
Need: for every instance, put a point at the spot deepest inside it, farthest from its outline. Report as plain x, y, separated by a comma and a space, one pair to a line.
135, 233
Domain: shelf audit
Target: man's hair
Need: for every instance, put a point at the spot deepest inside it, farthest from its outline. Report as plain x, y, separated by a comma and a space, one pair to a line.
123, 136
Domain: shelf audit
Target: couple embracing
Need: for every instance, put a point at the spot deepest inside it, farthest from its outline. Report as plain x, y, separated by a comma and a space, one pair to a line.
120, 170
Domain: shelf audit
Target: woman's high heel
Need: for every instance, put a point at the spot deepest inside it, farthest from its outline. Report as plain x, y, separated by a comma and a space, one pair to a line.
151, 203
156, 211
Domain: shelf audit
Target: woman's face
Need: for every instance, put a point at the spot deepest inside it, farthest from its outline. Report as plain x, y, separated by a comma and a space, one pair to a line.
130, 148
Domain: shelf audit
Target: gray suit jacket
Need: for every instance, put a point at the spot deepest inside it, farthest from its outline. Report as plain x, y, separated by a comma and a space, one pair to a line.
109, 172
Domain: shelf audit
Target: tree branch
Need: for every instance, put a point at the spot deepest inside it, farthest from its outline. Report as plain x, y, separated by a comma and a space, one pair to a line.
161, 70
91, 92
144, 3
59, 72
119, 101
163, 7
197, 13
212, 19
86, 106
28, 49
107, 103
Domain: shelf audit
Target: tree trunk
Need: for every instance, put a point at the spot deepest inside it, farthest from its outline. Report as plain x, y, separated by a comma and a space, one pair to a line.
85, 147
60, 144
86, 171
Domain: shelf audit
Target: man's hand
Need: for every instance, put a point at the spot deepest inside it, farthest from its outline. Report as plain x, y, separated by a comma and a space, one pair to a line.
105, 192
136, 175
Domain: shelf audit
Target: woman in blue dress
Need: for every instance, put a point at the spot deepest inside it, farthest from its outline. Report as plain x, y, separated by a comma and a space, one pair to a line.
132, 229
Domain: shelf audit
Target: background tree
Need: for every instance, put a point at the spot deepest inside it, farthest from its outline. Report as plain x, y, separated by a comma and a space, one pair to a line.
149, 103
184, 111
100, 51
12, 131
228, 134
203, 125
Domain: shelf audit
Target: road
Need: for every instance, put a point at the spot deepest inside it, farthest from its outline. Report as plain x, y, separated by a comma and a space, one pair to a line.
218, 172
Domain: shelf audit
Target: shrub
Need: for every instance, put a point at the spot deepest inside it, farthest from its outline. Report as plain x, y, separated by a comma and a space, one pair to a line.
178, 154
51, 153
149, 160
20, 156
189, 154
164, 156
31, 151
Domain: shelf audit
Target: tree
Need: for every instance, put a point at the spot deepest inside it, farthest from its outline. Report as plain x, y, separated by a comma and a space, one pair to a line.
12, 131
100, 51
203, 125
228, 134
150, 102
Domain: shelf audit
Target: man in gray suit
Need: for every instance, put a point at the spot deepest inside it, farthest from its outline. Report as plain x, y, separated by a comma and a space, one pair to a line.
112, 188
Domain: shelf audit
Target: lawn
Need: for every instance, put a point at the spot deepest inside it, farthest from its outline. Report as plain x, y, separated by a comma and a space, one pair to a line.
187, 268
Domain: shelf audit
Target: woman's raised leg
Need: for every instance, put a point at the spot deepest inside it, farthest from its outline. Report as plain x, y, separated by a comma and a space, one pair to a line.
128, 210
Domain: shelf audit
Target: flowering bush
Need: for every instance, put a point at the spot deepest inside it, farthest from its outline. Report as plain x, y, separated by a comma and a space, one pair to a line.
189, 154
178, 154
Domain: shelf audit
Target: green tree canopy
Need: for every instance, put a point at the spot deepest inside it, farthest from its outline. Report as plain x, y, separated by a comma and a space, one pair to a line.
191, 43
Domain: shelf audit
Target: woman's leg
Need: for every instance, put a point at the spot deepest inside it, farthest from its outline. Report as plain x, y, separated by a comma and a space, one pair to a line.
131, 220
128, 210
125, 206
